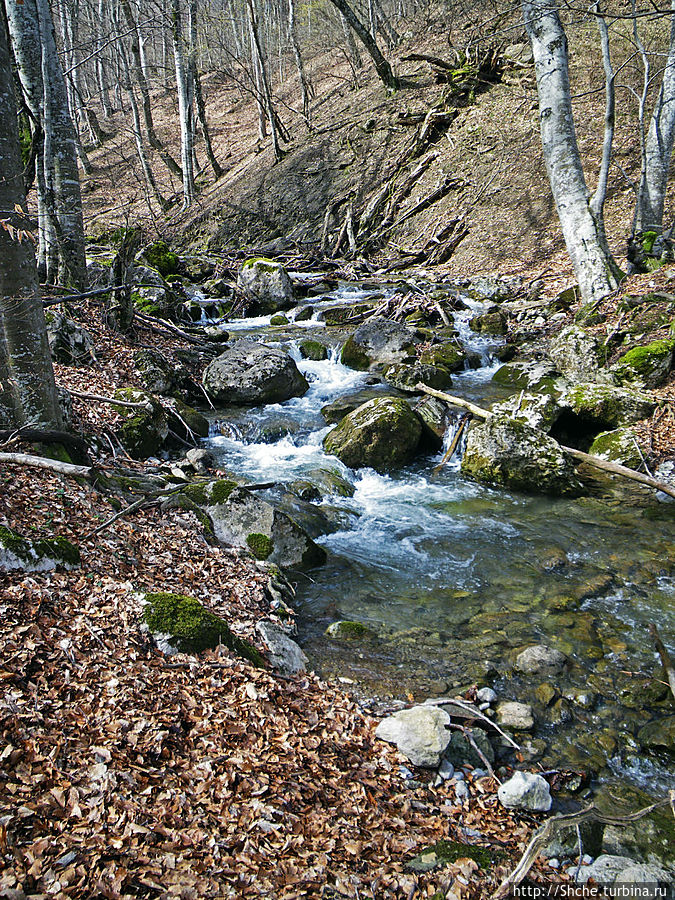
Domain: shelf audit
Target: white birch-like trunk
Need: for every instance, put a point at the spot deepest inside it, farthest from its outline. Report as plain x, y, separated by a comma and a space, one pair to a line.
27, 389
594, 267
185, 105
658, 148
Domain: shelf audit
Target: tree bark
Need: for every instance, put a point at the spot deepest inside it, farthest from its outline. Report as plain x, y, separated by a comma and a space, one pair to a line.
304, 83
596, 271
185, 104
27, 389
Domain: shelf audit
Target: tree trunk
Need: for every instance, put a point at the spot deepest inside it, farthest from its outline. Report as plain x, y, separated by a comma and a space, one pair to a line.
59, 200
185, 105
382, 66
264, 81
658, 148
199, 96
27, 390
304, 83
594, 266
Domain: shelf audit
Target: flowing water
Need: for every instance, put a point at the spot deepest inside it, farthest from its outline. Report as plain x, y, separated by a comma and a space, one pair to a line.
454, 578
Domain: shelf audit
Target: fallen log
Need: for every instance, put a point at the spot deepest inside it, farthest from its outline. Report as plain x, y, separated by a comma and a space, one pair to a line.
588, 458
53, 465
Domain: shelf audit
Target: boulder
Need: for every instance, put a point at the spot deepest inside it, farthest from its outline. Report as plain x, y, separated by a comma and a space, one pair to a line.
649, 364
489, 323
619, 446
250, 374
605, 407
182, 623
577, 355
266, 283
540, 660
283, 653
419, 733
151, 294
447, 356
69, 342
505, 452
241, 518
406, 376
17, 552
383, 434
436, 417
158, 256
540, 410
155, 371
314, 350
615, 870
529, 375
144, 429
378, 341
186, 422
517, 716
525, 791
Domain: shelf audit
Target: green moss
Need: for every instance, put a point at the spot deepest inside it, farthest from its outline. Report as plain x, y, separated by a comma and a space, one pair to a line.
445, 852
446, 356
261, 263
221, 490
260, 545
313, 350
13, 542
195, 421
161, 258
144, 430
278, 320
145, 304
57, 548
191, 627
644, 361
348, 630
354, 356
648, 238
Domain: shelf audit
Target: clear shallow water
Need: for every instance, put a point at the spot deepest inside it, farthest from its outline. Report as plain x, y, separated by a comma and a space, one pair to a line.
455, 578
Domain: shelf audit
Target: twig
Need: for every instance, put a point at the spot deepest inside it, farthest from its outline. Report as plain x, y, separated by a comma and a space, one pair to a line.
483, 758
544, 834
475, 714
118, 515
111, 400
455, 441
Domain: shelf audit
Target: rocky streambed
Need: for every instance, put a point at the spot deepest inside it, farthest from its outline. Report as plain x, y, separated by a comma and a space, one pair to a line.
439, 581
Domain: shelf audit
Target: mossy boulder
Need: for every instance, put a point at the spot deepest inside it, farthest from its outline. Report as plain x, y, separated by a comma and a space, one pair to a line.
445, 355
249, 374
43, 555
502, 451
188, 626
530, 375
158, 256
619, 446
145, 428
539, 410
279, 320
241, 518
406, 376
265, 283
649, 364
489, 323
607, 407
383, 434
379, 341
314, 350
436, 418
151, 293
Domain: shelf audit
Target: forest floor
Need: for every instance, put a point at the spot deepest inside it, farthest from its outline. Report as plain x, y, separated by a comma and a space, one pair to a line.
127, 773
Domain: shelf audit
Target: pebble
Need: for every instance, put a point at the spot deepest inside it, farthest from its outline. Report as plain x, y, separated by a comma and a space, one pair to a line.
486, 695
459, 776
554, 863
446, 770
405, 772
479, 773
461, 791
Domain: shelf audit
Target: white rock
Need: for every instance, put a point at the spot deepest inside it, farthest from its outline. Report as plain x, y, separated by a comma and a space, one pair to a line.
525, 791
486, 695
283, 653
420, 733
518, 716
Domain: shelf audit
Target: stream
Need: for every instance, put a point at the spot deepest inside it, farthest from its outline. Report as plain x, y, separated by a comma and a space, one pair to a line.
454, 578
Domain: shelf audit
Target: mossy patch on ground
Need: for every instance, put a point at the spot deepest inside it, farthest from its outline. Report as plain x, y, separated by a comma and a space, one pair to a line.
191, 627
445, 852
17, 552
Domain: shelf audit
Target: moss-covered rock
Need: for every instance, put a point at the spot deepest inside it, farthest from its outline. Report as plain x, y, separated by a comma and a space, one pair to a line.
266, 283
505, 452
379, 341
617, 446
17, 552
383, 434
278, 320
526, 376
606, 407
315, 350
489, 323
250, 373
186, 422
344, 630
144, 429
578, 354
406, 377
445, 852
158, 256
445, 355
190, 627
155, 371
649, 364
539, 410
69, 342
354, 356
